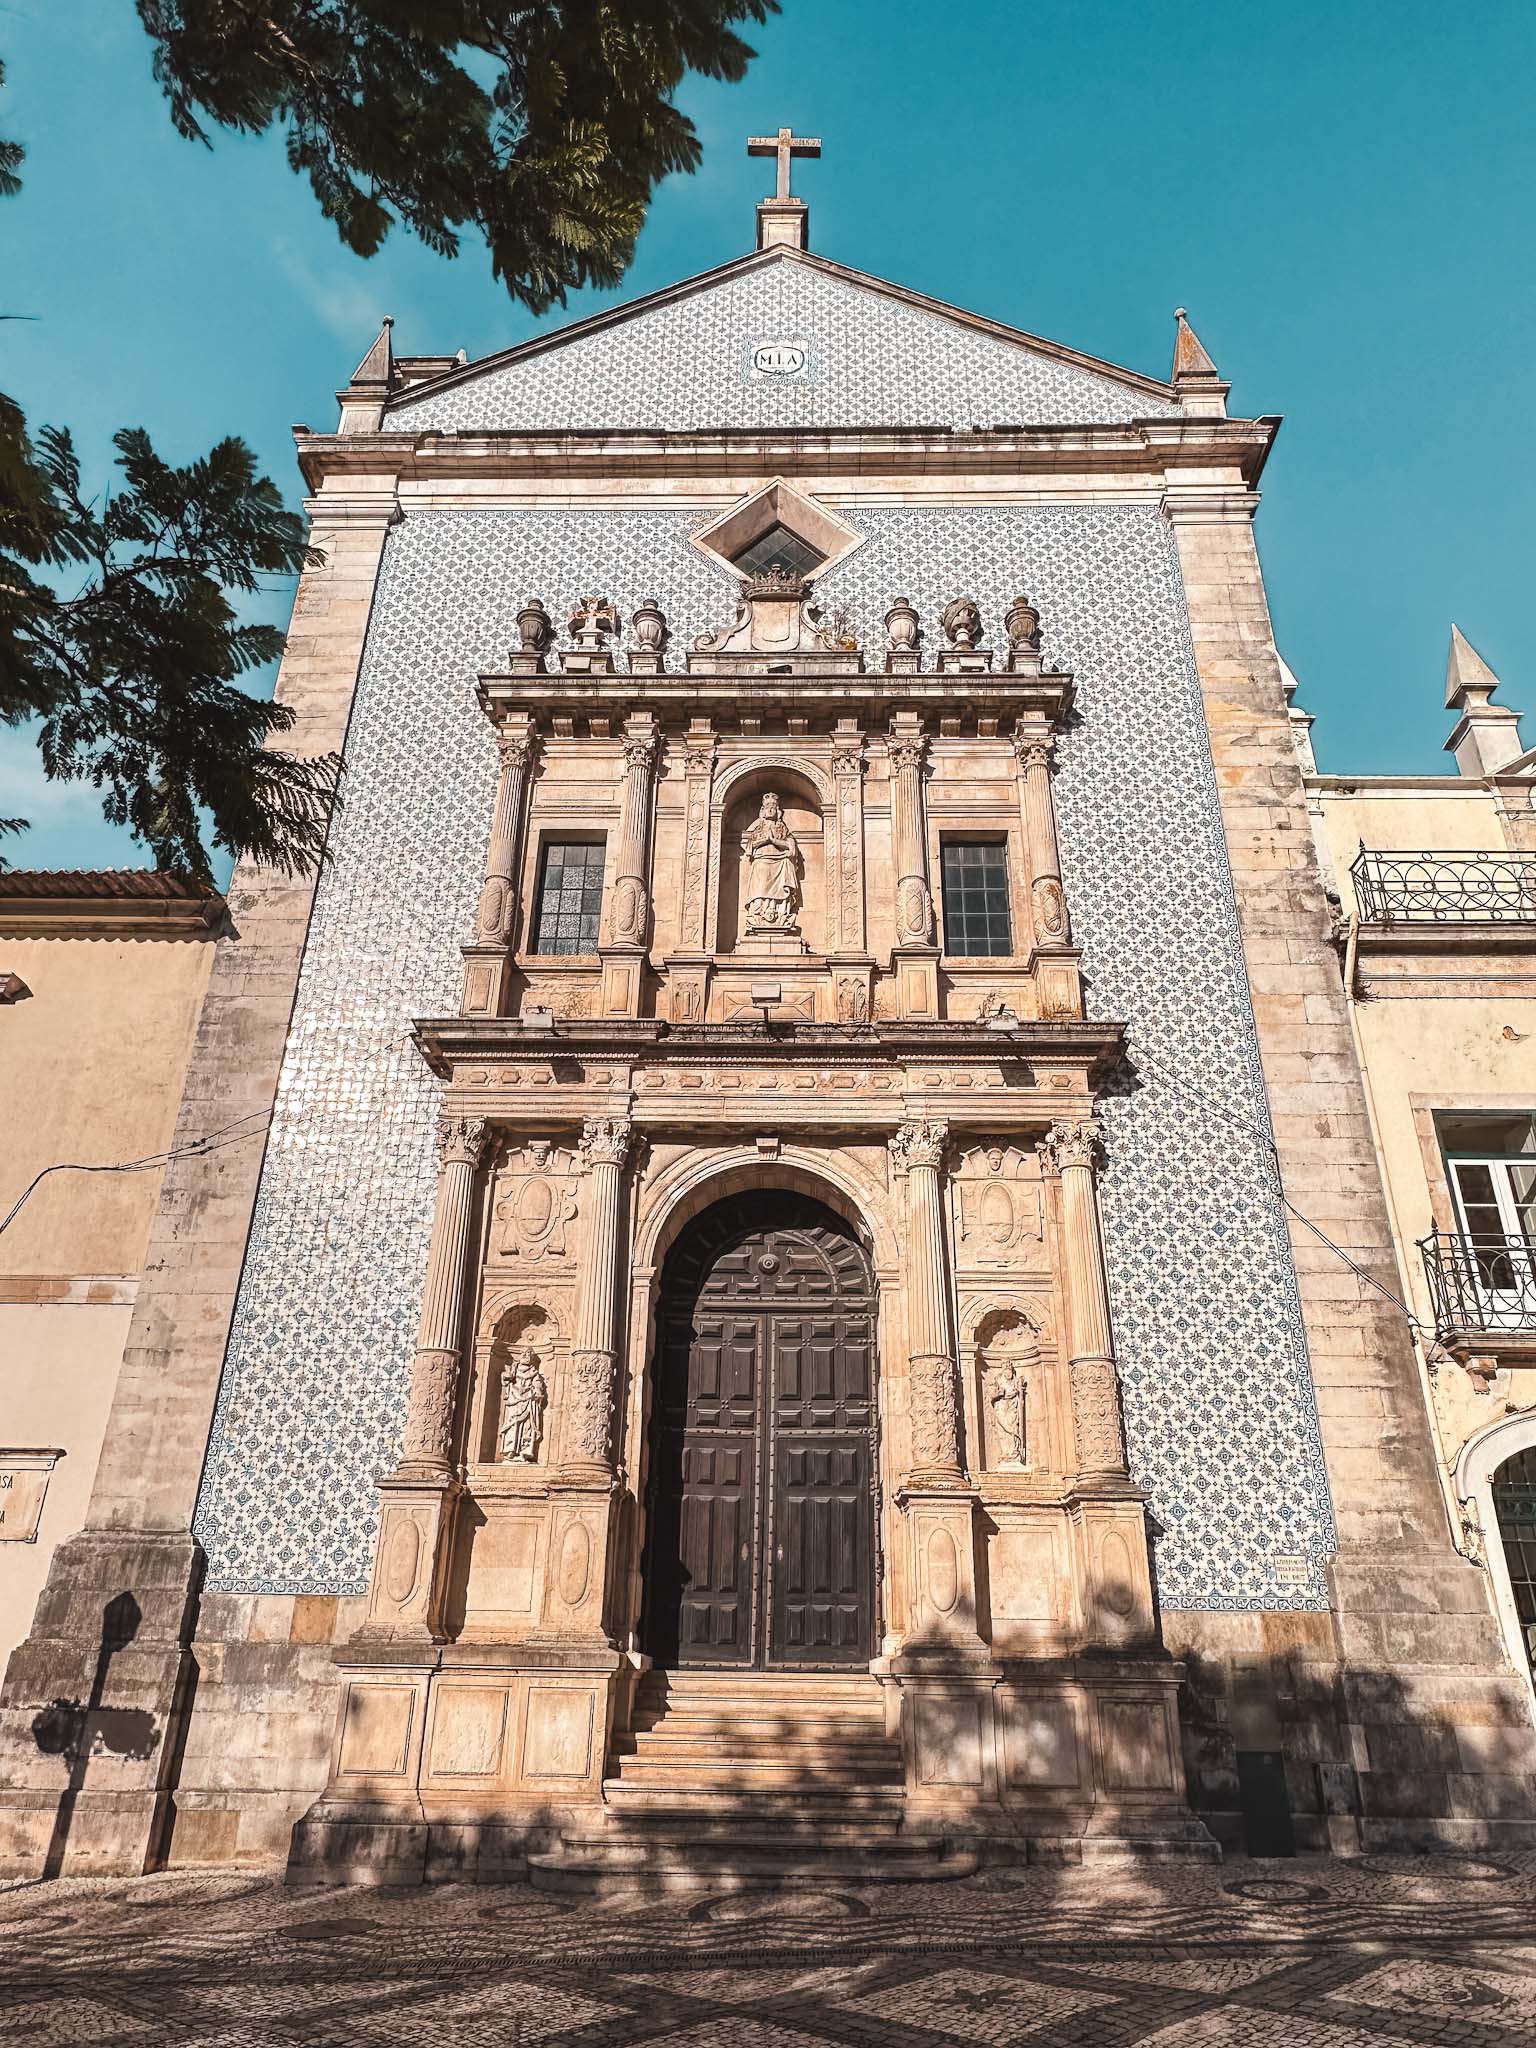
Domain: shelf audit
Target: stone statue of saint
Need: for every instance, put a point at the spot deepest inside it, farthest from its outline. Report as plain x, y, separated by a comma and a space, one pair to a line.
1008, 1397
773, 856
523, 1395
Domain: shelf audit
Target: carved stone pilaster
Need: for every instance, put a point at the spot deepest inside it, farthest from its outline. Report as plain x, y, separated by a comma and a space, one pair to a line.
914, 899
487, 956
1071, 1150
587, 1455
917, 1152
848, 784
428, 1438
1033, 746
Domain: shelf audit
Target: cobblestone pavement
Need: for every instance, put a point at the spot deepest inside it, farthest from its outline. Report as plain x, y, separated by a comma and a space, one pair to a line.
1374, 1954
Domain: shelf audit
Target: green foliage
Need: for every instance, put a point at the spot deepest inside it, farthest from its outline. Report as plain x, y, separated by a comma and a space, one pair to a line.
127, 647
116, 630
553, 160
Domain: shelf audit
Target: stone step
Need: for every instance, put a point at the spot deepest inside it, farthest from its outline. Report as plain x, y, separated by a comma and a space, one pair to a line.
810, 1746
620, 1864
729, 1774
708, 1725
721, 1809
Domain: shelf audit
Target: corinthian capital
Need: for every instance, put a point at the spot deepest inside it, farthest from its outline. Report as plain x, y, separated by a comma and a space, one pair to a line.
1033, 751
515, 749
605, 1141
919, 1144
640, 750
461, 1140
1067, 1145
907, 750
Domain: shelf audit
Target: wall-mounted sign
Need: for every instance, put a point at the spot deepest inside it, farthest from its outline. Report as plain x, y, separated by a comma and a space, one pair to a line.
777, 356
23, 1484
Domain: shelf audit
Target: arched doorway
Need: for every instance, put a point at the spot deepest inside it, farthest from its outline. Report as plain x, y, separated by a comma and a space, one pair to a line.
761, 1546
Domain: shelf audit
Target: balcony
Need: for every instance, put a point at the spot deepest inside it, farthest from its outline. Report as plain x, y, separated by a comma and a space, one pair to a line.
1483, 1288
1431, 888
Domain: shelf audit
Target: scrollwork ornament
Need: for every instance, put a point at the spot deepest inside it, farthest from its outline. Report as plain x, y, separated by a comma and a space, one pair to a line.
461, 1140
934, 1421
428, 1436
591, 1410
1096, 1415
1073, 1144
605, 1141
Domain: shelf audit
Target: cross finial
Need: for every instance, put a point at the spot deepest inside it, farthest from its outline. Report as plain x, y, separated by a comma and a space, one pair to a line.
783, 219
784, 145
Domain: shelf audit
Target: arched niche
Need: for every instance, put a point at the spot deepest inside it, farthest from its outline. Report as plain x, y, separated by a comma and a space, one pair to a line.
1007, 1342
508, 1326
1477, 1468
805, 801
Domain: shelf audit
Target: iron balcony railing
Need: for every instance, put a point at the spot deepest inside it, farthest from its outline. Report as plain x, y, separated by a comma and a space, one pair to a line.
1481, 1283
1444, 888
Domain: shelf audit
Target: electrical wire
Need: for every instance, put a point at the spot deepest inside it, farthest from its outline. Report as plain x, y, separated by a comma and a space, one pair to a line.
209, 1142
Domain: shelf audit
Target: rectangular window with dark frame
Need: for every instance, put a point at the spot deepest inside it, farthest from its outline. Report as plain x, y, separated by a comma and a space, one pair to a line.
570, 896
975, 881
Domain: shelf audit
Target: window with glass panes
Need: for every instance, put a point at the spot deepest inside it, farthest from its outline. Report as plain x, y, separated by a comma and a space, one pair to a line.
1491, 1161
975, 880
570, 896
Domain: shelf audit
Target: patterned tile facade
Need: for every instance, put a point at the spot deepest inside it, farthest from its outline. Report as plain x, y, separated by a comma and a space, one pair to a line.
870, 361
1220, 1409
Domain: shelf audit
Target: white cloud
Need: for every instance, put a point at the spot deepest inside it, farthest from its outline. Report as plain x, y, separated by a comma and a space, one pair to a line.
350, 310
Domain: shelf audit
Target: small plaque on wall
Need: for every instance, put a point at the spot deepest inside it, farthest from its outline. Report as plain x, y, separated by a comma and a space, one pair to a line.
23, 1486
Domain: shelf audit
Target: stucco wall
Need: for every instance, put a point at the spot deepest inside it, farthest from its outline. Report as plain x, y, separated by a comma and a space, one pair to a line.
91, 1072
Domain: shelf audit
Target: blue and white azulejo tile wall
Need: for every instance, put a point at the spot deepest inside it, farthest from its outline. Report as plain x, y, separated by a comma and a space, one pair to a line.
1219, 1404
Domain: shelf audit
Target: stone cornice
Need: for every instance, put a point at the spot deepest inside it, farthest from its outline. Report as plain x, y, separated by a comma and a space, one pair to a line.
1151, 448
111, 904
646, 1042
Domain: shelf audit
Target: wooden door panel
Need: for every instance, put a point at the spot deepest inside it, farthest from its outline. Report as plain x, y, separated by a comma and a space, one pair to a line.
717, 1544
822, 1610
761, 1544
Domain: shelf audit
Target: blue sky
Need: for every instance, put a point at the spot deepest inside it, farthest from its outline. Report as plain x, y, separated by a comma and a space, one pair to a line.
1341, 194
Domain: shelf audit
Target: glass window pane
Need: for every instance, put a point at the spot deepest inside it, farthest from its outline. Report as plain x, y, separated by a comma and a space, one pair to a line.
779, 552
974, 875
570, 896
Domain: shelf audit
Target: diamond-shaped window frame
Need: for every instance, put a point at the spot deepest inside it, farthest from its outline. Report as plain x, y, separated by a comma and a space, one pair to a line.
776, 504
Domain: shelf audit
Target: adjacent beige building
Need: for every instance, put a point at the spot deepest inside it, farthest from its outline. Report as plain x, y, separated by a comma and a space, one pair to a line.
103, 975
1435, 879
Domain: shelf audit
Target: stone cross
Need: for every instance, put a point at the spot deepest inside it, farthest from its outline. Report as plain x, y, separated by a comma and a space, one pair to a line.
784, 145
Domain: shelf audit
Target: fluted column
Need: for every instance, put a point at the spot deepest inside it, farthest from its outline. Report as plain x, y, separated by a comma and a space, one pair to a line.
587, 1449
1069, 1149
1033, 747
629, 919
427, 1450
487, 955
909, 843
917, 1150
631, 892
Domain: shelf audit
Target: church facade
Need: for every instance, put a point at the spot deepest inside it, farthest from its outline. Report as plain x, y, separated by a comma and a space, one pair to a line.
767, 1319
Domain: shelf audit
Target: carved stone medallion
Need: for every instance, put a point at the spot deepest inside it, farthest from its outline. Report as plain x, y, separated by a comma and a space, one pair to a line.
536, 1204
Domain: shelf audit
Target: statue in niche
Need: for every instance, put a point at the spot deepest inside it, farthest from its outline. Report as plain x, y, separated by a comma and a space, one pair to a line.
1009, 1397
523, 1399
773, 856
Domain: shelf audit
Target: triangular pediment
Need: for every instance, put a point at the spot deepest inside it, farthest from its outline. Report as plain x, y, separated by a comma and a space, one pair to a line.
780, 340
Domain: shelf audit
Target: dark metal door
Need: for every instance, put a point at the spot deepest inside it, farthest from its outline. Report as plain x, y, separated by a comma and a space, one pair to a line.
763, 1457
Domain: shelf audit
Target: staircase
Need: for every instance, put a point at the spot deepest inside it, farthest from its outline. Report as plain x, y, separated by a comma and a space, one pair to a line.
730, 1778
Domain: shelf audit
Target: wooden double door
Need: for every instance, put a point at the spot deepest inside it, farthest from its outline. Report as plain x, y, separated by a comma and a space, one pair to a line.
762, 1549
